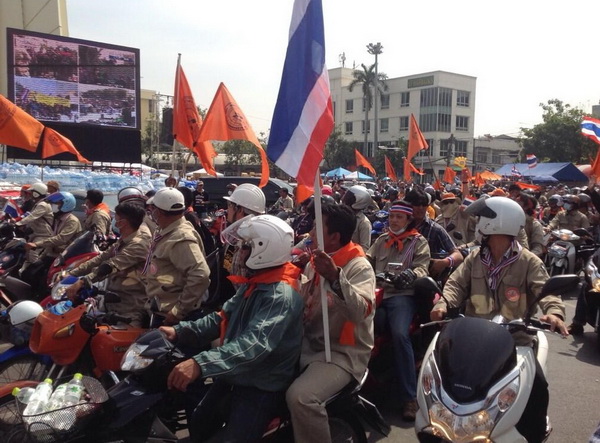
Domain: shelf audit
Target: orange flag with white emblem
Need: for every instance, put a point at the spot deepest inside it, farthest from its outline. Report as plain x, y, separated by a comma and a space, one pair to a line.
226, 121
17, 127
54, 143
416, 141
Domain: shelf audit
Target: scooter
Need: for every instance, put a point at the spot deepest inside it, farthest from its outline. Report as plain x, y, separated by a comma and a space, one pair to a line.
568, 251
591, 292
476, 378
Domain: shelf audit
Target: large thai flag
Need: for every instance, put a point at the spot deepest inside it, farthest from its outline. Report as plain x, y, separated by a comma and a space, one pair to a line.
590, 127
531, 161
303, 117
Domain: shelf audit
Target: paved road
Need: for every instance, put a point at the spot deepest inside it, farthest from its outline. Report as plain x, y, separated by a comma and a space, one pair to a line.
574, 377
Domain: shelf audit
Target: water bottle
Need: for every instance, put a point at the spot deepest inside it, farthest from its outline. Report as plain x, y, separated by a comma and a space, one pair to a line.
38, 400
65, 418
74, 391
23, 394
61, 307
57, 399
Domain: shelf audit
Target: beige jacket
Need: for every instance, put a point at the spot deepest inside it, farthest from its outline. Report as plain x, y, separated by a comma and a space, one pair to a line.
350, 318
126, 258
519, 284
569, 220
535, 235
100, 219
39, 221
177, 272
362, 232
463, 223
64, 230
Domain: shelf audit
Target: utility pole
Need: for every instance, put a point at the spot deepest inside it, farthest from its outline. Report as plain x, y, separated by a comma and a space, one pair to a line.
449, 149
375, 49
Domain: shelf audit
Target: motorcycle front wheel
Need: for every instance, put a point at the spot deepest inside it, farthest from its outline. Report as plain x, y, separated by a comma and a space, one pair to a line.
10, 419
346, 429
24, 367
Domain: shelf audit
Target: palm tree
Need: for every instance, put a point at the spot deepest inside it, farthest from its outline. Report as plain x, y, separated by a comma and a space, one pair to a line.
366, 78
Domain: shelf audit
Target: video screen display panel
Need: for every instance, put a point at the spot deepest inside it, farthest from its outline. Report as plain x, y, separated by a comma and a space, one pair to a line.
66, 80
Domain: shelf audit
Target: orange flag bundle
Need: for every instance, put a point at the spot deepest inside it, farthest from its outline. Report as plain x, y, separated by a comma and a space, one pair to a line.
187, 123
18, 128
416, 141
54, 143
449, 175
389, 169
226, 121
362, 161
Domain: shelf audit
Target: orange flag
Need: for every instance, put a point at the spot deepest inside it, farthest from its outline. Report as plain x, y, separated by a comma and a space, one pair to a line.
226, 121
479, 181
449, 175
362, 161
389, 169
416, 141
17, 127
187, 123
54, 143
408, 168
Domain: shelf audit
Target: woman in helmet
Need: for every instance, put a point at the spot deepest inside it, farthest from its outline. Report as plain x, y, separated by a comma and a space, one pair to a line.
502, 278
359, 199
65, 228
38, 224
261, 334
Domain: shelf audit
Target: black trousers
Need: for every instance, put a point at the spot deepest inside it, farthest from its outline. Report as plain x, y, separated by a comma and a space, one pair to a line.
532, 424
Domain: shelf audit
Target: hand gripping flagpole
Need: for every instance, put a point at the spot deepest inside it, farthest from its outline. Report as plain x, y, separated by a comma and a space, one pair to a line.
320, 242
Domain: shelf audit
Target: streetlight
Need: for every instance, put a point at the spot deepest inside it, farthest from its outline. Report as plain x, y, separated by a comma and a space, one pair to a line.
375, 49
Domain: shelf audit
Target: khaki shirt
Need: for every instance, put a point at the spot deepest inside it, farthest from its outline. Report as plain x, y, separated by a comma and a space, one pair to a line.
463, 223
64, 229
569, 220
126, 258
535, 235
177, 272
519, 285
355, 312
362, 232
380, 255
39, 221
99, 219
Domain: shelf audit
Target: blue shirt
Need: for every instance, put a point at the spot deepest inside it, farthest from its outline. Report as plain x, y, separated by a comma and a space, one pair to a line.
439, 240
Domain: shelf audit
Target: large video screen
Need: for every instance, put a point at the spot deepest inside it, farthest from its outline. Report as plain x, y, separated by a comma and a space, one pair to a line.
66, 80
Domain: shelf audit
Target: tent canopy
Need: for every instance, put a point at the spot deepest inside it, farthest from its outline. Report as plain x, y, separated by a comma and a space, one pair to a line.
563, 172
202, 173
488, 175
358, 176
338, 172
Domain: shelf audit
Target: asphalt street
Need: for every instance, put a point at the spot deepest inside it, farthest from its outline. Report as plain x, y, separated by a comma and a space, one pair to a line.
574, 378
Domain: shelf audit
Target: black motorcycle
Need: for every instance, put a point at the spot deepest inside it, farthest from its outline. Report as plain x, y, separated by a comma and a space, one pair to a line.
591, 294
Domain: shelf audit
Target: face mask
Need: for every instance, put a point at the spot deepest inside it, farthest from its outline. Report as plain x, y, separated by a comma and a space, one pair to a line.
229, 192
55, 209
399, 231
113, 226
449, 210
568, 206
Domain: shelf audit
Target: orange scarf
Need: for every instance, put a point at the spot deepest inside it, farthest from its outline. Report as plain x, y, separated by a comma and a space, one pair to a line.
396, 240
346, 253
102, 207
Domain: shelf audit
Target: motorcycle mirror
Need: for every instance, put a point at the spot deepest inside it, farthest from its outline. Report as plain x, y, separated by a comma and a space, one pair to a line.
581, 232
457, 235
426, 286
557, 284
155, 304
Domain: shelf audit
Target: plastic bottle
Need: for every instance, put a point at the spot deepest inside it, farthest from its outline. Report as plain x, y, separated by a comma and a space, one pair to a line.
38, 401
57, 398
23, 394
74, 391
61, 307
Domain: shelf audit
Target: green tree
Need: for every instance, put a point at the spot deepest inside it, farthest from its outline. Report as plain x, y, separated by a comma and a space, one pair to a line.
558, 138
395, 156
338, 151
366, 80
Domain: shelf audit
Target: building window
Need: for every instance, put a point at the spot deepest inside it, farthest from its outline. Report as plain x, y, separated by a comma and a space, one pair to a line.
368, 127
151, 104
444, 147
384, 125
425, 152
404, 99
349, 106
462, 98
481, 157
462, 123
444, 122
404, 123
460, 148
436, 97
428, 122
348, 128
496, 159
385, 101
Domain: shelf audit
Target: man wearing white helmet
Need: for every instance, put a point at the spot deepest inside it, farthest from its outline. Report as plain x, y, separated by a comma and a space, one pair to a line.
260, 331
38, 224
359, 199
555, 203
175, 271
503, 278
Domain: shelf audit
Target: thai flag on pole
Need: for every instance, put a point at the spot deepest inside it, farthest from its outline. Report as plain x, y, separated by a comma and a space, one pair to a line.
531, 161
303, 116
515, 172
11, 208
590, 128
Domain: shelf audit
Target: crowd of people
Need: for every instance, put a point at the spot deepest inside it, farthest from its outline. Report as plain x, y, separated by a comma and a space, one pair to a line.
268, 338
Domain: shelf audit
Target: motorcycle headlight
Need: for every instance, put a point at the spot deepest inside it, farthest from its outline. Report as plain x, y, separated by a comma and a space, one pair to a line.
133, 361
59, 289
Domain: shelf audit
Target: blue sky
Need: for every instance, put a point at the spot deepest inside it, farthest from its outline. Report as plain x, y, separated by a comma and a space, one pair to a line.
523, 53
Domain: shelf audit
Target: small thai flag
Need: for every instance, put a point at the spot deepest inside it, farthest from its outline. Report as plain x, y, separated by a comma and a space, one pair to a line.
590, 128
515, 172
531, 161
12, 209
466, 202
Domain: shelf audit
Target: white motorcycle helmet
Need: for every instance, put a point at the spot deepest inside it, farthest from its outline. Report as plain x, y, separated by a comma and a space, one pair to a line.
168, 199
38, 190
23, 313
131, 193
497, 215
249, 196
270, 239
362, 197
558, 199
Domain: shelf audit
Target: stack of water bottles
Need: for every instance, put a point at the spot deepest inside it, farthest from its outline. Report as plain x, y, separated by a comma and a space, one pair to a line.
45, 409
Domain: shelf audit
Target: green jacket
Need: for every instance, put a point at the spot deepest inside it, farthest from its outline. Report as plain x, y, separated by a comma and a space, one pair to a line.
262, 341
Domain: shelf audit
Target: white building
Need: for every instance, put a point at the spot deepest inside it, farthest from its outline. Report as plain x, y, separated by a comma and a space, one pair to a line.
443, 104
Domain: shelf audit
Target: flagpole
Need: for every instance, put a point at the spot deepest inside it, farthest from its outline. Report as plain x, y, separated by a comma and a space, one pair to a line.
432, 168
174, 107
321, 242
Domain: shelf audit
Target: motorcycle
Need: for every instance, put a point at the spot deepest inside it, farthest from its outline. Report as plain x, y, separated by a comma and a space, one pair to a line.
476, 378
568, 251
591, 292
